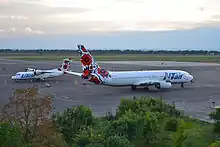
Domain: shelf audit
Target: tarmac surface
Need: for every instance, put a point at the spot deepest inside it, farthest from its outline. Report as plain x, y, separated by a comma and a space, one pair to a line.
68, 90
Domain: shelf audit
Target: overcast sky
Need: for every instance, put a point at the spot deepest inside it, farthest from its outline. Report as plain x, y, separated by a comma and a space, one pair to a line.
110, 23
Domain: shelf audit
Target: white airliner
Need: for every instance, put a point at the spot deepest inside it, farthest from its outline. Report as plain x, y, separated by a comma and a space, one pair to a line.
43, 74
158, 78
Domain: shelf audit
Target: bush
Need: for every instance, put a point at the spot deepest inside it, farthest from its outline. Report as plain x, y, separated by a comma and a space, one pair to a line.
95, 145
137, 128
10, 136
72, 120
143, 105
139, 122
117, 141
171, 125
180, 136
216, 117
215, 144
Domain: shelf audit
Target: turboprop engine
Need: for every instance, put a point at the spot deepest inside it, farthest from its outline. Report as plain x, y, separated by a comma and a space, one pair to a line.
37, 72
29, 69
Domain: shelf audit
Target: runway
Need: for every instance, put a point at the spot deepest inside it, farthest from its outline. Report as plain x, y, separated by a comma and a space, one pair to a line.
68, 90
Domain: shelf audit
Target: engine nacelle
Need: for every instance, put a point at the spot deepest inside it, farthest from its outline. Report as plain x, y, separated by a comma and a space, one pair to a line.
37, 71
163, 85
29, 69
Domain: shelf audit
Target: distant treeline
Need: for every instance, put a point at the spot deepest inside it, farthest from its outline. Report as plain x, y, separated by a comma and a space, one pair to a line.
64, 51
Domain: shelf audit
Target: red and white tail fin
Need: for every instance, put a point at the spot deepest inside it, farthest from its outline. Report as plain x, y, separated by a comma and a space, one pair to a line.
90, 67
87, 61
86, 58
65, 65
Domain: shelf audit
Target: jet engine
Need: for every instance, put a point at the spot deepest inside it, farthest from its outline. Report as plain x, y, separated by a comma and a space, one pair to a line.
163, 85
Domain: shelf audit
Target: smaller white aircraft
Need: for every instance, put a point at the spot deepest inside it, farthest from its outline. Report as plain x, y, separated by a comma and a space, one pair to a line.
43, 74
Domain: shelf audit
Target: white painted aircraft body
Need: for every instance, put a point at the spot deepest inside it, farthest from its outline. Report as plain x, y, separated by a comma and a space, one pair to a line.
126, 78
158, 78
42, 74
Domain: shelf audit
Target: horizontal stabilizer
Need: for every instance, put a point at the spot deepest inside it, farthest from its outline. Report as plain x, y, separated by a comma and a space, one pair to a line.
73, 73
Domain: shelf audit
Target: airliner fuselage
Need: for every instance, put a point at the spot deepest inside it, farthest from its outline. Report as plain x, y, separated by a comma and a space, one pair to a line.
127, 78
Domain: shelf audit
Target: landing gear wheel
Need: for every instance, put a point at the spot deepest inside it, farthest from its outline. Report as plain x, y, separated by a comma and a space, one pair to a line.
182, 85
133, 87
147, 88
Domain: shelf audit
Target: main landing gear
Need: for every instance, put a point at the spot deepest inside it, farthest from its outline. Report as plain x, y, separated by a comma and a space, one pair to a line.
133, 87
182, 85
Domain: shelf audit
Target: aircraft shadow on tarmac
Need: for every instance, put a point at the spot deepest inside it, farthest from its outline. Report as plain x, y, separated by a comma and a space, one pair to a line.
153, 90
38, 81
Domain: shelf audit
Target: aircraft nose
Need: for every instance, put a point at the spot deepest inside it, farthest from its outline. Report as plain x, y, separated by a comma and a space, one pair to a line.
190, 77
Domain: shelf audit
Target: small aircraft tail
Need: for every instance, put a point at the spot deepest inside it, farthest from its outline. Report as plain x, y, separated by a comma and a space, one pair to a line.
90, 67
65, 65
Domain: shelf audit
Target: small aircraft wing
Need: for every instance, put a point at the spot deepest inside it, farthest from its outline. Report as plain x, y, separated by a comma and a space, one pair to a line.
43, 72
73, 73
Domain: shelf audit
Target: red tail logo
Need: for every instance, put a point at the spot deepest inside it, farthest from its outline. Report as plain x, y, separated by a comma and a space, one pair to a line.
91, 70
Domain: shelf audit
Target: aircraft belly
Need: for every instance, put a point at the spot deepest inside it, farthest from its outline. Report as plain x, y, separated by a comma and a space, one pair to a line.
120, 81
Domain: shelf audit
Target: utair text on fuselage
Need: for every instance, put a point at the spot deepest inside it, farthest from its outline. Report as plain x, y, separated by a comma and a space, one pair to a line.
158, 78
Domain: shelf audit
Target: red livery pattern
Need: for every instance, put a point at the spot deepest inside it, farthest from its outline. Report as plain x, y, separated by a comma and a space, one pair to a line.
86, 74
103, 72
84, 49
91, 70
86, 59
95, 79
66, 65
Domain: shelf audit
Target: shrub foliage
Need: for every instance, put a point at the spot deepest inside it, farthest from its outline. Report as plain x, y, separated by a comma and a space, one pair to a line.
27, 120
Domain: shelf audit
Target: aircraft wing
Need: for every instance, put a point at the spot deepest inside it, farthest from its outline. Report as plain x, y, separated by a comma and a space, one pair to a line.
73, 73
43, 72
146, 82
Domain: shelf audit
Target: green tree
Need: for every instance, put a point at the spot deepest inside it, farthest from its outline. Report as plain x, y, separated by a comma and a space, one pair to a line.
87, 136
117, 141
215, 144
95, 145
171, 124
144, 104
184, 130
140, 129
72, 120
10, 136
29, 109
180, 136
